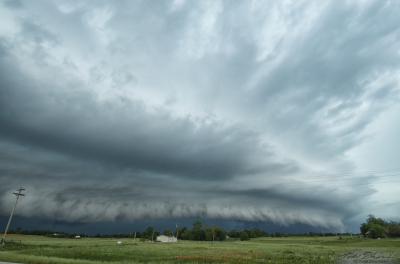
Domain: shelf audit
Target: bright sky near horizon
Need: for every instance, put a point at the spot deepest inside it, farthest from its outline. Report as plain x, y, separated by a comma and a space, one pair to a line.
236, 110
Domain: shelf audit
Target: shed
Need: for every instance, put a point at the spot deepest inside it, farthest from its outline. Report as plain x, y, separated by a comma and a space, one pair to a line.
163, 238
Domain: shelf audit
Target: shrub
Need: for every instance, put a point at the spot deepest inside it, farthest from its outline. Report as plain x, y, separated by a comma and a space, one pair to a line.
244, 236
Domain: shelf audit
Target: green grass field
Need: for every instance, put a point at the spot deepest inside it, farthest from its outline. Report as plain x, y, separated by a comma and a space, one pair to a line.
34, 249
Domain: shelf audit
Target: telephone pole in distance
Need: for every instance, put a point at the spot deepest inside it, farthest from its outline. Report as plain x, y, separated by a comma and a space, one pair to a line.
12, 212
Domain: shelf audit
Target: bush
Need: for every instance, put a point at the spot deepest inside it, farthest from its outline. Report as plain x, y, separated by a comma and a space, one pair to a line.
244, 236
377, 231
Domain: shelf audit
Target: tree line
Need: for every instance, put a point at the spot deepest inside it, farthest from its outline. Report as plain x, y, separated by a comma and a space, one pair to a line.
379, 228
373, 227
198, 233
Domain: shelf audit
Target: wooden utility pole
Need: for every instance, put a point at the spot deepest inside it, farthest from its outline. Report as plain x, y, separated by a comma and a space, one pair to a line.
12, 212
177, 231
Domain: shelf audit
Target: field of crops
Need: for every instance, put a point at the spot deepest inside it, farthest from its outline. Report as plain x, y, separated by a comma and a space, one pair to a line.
34, 249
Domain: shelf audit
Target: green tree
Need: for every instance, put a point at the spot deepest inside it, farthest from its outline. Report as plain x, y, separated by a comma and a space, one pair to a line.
209, 233
364, 228
233, 233
186, 234
197, 225
219, 234
257, 232
379, 221
149, 233
167, 232
251, 233
180, 232
377, 231
244, 236
18, 230
393, 229
376, 226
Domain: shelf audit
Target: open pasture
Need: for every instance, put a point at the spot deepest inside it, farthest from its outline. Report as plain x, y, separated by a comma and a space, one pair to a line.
34, 249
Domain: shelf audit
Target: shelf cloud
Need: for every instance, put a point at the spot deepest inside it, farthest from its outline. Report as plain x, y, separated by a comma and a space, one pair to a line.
248, 111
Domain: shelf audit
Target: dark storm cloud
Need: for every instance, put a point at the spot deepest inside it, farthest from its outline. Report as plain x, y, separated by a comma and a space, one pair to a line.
135, 110
123, 132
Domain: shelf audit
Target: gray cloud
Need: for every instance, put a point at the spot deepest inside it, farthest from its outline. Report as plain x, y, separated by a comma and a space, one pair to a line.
165, 110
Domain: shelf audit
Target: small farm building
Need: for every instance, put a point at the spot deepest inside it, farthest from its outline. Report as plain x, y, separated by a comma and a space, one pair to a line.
163, 238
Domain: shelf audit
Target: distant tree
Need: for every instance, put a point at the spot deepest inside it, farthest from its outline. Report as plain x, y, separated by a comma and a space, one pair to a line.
209, 233
364, 228
214, 233
377, 231
185, 234
197, 225
393, 229
233, 233
379, 221
167, 232
376, 226
244, 236
257, 232
219, 234
180, 232
251, 234
138, 234
25, 232
148, 233
198, 235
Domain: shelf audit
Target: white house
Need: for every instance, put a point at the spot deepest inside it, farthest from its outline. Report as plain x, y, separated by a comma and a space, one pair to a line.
163, 238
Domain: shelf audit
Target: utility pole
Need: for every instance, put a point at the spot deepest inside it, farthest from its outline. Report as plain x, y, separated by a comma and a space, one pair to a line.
177, 231
12, 212
134, 238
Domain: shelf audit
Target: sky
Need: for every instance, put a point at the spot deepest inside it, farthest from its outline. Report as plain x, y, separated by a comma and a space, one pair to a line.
282, 115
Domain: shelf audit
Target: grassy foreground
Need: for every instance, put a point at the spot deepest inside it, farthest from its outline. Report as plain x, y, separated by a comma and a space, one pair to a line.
34, 249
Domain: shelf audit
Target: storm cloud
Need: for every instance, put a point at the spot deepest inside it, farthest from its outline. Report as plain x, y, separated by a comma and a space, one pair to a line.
213, 109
